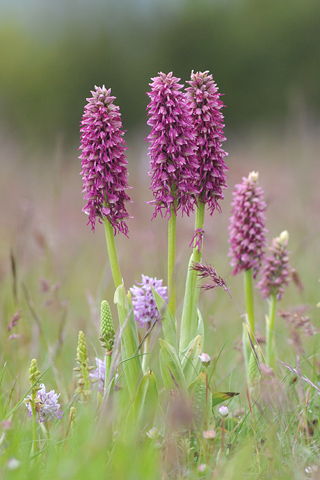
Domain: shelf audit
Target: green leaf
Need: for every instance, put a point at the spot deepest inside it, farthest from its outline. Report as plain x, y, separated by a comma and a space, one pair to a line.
200, 326
129, 339
201, 401
145, 404
190, 360
171, 370
219, 397
168, 321
166, 376
188, 328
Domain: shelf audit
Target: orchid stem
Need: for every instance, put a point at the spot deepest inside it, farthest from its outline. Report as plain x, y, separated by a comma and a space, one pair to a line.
145, 359
34, 428
107, 363
248, 288
271, 354
189, 322
112, 252
172, 261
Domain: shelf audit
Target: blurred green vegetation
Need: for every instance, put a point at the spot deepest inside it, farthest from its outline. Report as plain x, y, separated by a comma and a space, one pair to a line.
264, 55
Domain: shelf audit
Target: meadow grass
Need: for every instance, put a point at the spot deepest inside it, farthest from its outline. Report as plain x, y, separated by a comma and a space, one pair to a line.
56, 271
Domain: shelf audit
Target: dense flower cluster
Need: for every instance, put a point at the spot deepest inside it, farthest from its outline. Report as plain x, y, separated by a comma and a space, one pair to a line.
204, 100
144, 304
47, 405
173, 164
247, 226
104, 165
275, 274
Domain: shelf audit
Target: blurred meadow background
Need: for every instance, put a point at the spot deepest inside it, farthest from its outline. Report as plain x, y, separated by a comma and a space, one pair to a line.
265, 58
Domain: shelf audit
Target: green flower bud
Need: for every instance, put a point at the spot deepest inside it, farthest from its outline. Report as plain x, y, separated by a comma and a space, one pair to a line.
34, 374
82, 353
84, 382
107, 329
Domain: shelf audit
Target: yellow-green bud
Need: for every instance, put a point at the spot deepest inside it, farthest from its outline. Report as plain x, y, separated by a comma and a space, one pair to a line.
82, 352
107, 328
34, 372
84, 381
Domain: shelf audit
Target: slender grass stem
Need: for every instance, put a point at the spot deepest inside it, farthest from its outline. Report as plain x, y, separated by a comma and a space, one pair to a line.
112, 252
270, 321
172, 222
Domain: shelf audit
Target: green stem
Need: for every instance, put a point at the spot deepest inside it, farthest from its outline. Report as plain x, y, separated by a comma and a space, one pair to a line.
271, 353
206, 404
189, 321
246, 349
34, 428
248, 289
172, 222
107, 362
129, 337
113, 257
199, 222
145, 359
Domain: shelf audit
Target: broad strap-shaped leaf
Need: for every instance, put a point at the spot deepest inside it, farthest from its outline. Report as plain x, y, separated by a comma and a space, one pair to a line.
201, 401
167, 320
190, 360
171, 370
189, 319
219, 397
200, 326
145, 404
129, 340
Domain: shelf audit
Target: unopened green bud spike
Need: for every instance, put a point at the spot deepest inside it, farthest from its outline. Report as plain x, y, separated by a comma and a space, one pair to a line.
34, 373
84, 382
82, 353
107, 328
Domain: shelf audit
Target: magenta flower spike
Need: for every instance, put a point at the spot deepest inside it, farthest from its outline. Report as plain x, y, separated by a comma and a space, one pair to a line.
173, 164
204, 100
275, 274
144, 304
247, 226
104, 165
